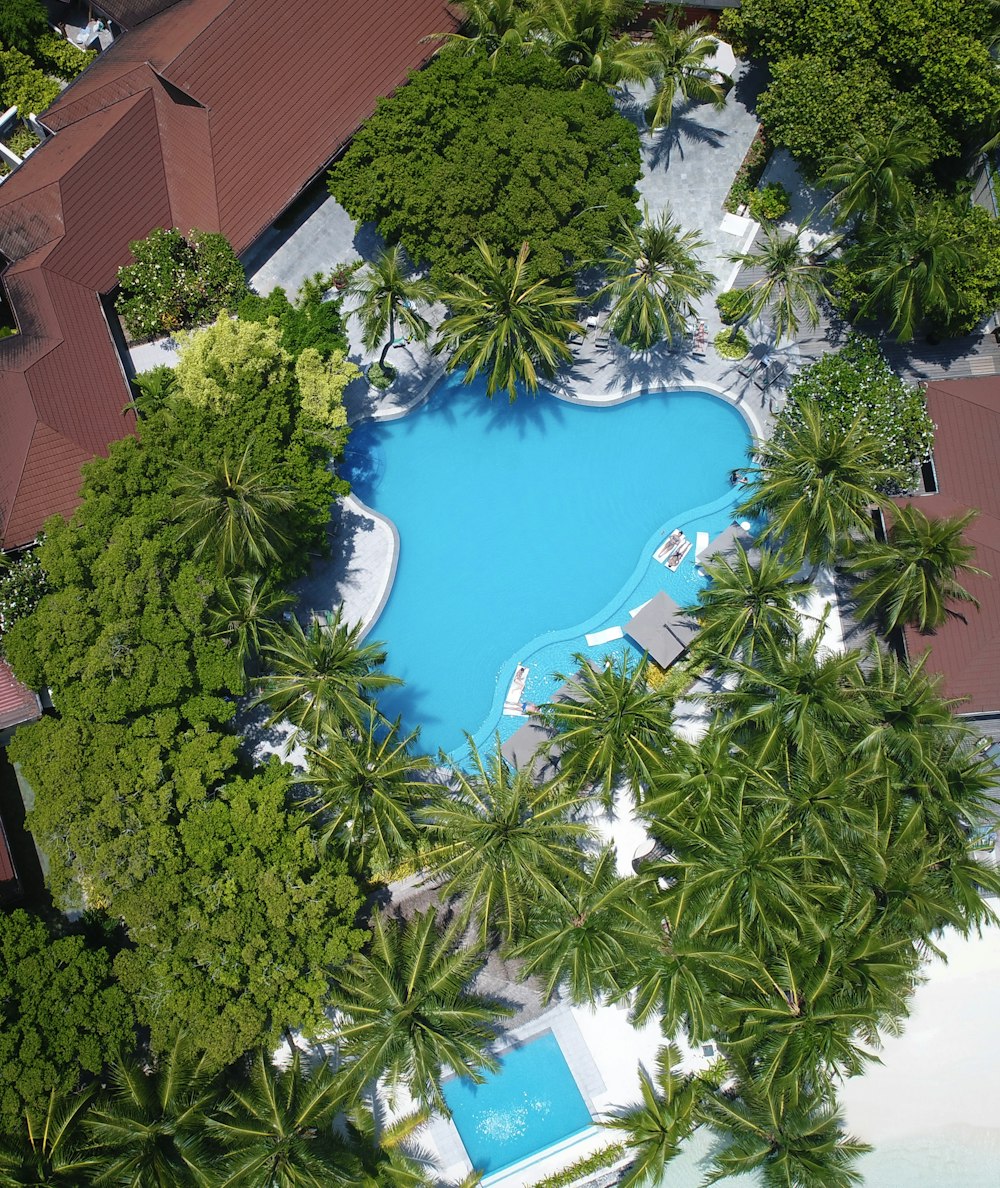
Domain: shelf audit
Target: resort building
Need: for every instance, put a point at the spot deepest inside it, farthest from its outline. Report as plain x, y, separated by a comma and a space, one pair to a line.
207, 114
966, 650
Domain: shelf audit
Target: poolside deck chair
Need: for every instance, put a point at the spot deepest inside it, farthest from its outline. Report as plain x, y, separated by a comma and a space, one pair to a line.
752, 364
770, 375
601, 334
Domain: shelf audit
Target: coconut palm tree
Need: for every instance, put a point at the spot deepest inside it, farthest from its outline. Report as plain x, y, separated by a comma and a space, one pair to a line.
384, 1151
579, 940
745, 606
504, 844
790, 1140
49, 1147
816, 484
276, 1128
495, 28
244, 613
406, 1011
510, 327
869, 176
654, 280
654, 1128
611, 725
324, 678
580, 36
911, 577
793, 281
388, 298
369, 788
233, 512
152, 1128
912, 265
677, 59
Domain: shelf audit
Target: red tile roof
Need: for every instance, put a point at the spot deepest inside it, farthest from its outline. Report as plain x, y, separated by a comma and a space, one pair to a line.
129, 13
966, 650
8, 872
17, 703
211, 114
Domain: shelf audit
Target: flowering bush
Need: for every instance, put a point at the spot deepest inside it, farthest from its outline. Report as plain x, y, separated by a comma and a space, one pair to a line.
178, 282
770, 202
856, 383
22, 584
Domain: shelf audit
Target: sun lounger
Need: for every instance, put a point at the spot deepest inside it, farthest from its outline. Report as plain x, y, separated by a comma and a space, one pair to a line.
512, 702
595, 638
668, 546
770, 375
700, 545
751, 365
700, 339
678, 555
601, 335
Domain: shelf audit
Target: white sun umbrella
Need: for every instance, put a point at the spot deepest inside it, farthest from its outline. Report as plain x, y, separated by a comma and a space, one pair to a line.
723, 60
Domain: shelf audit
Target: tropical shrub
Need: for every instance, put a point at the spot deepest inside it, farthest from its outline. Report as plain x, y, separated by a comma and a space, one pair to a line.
178, 281
749, 172
22, 584
322, 383
508, 154
310, 321
856, 383
732, 305
379, 376
770, 202
55, 55
22, 140
732, 343
22, 84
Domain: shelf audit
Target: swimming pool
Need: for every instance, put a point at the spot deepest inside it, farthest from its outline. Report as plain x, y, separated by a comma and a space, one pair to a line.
531, 1103
522, 528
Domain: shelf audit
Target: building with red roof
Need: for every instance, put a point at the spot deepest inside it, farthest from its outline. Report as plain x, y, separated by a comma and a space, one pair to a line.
208, 114
966, 650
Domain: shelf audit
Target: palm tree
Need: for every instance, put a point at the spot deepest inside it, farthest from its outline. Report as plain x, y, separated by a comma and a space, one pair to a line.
912, 266
655, 278
323, 678
505, 844
610, 725
496, 27
370, 786
507, 325
152, 1127
793, 281
389, 296
49, 1148
745, 605
384, 1151
277, 1128
580, 34
233, 512
654, 1128
245, 612
579, 941
790, 1140
816, 485
911, 577
407, 1013
677, 59
869, 175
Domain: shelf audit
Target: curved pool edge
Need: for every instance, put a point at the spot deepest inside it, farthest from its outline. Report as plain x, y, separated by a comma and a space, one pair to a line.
370, 617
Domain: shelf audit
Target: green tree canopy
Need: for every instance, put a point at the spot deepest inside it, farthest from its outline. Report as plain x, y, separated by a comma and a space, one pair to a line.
508, 154
62, 1015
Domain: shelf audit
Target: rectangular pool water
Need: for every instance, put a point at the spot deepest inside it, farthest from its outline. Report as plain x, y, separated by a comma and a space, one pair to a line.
529, 1104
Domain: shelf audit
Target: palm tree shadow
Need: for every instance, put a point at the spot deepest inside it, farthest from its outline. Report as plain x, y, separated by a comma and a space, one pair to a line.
683, 130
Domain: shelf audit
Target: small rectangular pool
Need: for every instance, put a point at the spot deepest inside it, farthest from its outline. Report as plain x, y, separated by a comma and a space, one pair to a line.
530, 1103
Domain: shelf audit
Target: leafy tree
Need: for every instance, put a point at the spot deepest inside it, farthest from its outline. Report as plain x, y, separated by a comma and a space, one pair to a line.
22, 585
654, 280
369, 788
21, 23
322, 383
22, 84
407, 1011
816, 483
855, 384
504, 844
508, 326
793, 282
48, 1147
911, 577
177, 281
870, 175
276, 1128
217, 363
611, 727
62, 1016
152, 1127
233, 512
389, 296
238, 941
507, 151
324, 678
312, 320
676, 58
745, 606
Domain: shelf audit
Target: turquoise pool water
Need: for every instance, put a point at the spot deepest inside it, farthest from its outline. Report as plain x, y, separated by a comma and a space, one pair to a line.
523, 527
530, 1104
